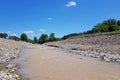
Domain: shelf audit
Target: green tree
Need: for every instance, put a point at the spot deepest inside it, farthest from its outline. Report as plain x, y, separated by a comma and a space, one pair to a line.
110, 22
118, 22
24, 37
43, 38
30, 41
3, 35
35, 40
107, 26
52, 37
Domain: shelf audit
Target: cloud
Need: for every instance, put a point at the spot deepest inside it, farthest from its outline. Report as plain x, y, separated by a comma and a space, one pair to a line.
28, 32
50, 18
13, 34
71, 4
8, 32
42, 30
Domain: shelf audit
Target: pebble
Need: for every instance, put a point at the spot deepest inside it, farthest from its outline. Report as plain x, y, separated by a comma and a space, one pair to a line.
8, 51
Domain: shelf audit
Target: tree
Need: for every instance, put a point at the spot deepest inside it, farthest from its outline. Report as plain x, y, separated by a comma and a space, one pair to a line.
30, 41
35, 40
118, 22
52, 37
107, 26
43, 38
110, 22
3, 35
24, 37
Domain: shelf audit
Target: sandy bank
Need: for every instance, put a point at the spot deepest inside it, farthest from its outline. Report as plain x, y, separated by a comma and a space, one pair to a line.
45, 63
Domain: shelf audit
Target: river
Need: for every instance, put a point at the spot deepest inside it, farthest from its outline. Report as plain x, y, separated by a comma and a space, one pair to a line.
46, 63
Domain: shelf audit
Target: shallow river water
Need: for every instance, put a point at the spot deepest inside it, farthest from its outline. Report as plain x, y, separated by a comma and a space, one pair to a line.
45, 63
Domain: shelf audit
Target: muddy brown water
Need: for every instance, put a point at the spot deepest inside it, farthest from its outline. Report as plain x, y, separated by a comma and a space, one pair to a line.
45, 63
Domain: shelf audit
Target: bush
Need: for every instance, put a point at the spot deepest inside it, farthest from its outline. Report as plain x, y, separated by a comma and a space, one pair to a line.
3, 35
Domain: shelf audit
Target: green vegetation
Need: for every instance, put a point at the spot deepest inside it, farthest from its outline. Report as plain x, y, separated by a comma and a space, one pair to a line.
52, 37
30, 41
35, 40
24, 37
106, 26
3, 35
72, 35
43, 38
110, 25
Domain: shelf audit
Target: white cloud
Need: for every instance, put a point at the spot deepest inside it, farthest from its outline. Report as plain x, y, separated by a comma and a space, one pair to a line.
28, 32
50, 18
8, 32
71, 3
2, 32
42, 30
13, 34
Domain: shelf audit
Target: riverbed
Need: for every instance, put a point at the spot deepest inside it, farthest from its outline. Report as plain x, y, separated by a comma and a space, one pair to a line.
47, 63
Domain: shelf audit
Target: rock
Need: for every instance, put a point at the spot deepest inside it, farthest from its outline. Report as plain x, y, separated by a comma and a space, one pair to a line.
11, 67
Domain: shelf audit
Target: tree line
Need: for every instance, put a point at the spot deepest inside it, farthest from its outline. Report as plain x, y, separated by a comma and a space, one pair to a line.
110, 25
42, 39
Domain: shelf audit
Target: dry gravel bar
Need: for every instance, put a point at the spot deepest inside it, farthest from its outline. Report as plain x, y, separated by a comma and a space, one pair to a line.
8, 51
103, 46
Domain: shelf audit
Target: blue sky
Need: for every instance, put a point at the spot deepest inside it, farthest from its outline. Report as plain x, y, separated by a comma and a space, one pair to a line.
36, 17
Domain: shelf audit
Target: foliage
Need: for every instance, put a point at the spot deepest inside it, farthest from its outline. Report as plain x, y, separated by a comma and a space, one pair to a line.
58, 39
107, 26
118, 22
72, 35
3, 35
52, 37
24, 37
43, 38
69, 35
110, 25
30, 41
35, 40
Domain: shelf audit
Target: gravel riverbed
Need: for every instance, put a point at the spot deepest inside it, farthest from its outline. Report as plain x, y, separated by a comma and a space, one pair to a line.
8, 51
102, 46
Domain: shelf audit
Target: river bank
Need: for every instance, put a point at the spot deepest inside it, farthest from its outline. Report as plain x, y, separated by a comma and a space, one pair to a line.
101, 46
41, 62
9, 50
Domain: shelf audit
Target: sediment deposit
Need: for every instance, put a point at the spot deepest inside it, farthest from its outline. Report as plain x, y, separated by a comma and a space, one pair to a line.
103, 46
8, 51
